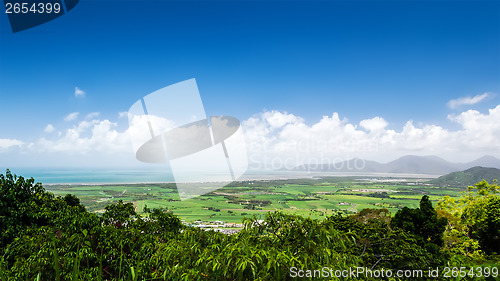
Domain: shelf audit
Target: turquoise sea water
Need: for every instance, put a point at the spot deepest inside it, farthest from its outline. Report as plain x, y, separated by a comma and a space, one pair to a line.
132, 176
92, 176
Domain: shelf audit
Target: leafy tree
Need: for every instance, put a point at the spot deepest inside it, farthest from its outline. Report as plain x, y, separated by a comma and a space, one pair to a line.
18, 197
165, 221
25, 205
367, 215
119, 213
485, 225
72, 200
422, 221
477, 216
481, 214
382, 246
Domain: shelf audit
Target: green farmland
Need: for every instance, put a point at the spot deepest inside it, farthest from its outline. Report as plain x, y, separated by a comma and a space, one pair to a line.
314, 198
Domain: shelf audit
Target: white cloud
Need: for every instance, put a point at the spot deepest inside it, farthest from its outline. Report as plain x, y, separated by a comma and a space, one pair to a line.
123, 114
141, 126
277, 119
8, 143
92, 115
479, 130
49, 128
275, 137
96, 136
72, 116
467, 100
79, 93
101, 136
333, 139
375, 124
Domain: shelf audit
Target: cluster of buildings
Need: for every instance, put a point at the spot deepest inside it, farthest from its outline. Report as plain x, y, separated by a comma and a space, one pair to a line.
219, 226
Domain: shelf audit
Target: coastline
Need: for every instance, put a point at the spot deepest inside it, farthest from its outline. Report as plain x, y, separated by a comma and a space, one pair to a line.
261, 176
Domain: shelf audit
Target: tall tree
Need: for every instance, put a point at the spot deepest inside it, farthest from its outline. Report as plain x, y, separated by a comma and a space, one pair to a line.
422, 221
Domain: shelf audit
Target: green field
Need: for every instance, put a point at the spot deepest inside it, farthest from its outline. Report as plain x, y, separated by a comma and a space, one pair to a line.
314, 198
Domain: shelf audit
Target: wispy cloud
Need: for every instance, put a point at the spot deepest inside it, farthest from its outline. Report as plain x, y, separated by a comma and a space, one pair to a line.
467, 100
72, 116
92, 115
79, 93
123, 114
8, 143
49, 128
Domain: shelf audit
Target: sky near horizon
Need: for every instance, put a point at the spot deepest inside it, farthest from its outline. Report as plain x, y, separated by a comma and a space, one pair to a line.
321, 80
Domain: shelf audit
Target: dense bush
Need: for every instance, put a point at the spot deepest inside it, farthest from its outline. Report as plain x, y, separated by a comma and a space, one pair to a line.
423, 222
54, 238
474, 221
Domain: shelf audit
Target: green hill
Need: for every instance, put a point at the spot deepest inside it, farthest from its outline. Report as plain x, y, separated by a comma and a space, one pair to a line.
468, 177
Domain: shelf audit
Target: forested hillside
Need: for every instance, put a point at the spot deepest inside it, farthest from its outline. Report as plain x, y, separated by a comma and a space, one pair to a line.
44, 237
468, 177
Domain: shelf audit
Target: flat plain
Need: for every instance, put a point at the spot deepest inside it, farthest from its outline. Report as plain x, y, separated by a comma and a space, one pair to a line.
315, 198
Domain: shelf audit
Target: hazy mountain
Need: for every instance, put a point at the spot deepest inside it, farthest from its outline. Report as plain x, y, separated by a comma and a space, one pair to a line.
468, 177
410, 164
485, 161
420, 165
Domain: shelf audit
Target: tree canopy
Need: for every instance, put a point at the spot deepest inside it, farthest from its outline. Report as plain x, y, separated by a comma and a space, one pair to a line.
55, 238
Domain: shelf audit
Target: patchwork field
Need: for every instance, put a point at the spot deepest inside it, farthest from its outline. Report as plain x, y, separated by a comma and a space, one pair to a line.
315, 198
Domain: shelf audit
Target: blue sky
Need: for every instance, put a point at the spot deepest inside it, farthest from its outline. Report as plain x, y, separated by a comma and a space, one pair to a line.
398, 60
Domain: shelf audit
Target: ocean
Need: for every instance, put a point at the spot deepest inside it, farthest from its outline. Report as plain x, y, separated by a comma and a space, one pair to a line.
93, 175
70, 176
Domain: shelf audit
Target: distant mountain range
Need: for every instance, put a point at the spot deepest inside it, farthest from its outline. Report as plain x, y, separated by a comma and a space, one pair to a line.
410, 164
468, 177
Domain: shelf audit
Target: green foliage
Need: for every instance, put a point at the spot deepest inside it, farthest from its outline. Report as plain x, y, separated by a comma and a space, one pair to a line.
57, 239
368, 215
475, 220
119, 213
164, 222
20, 200
482, 215
26, 206
73, 201
382, 246
468, 177
422, 221
487, 225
